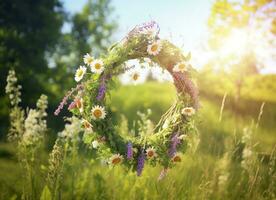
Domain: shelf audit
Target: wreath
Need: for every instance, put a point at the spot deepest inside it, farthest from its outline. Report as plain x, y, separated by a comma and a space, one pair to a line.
176, 129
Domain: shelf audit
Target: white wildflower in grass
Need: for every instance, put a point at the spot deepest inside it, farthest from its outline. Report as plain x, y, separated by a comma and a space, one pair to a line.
98, 112
95, 144
72, 129
88, 59
176, 158
180, 67
154, 48
188, 111
151, 153
97, 66
12, 89
80, 73
116, 159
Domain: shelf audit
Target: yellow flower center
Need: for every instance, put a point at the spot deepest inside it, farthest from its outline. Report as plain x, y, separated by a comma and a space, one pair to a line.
154, 47
188, 110
89, 60
79, 72
150, 153
135, 77
98, 66
87, 125
176, 159
116, 160
181, 66
97, 113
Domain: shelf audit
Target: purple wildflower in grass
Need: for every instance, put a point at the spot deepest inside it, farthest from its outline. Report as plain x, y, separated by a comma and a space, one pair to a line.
140, 163
129, 151
66, 97
173, 146
72, 105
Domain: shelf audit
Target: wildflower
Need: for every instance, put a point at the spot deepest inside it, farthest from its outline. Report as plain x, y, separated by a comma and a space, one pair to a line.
12, 89
116, 159
102, 90
151, 28
180, 67
80, 73
129, 150
88, 59
66, 97
154, 48
98, 112
188, 111
140, 163
95, 144
97, 66
79, 104
86, 124
173, 146
151, 153
176, 158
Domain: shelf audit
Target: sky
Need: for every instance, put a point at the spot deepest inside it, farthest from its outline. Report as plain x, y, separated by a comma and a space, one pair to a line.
183, 22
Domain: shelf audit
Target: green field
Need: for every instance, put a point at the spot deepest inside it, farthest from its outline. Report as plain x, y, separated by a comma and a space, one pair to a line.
198, 176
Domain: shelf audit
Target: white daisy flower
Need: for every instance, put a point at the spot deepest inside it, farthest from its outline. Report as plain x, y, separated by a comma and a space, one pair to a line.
80, 73
98, 112
97, 66
88, 59
151, 153
116, 159
189, 111
95, 144
180, 67
154, 48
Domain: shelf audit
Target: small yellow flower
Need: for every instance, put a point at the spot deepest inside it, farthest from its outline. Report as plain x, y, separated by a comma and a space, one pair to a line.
80, 73
151, 153
116, 159
98, 112
154, 48
97, 66
188, 111
135, 77
88, 59
180, 67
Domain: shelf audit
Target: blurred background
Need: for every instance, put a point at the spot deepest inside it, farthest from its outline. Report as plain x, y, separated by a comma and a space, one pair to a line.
232, 42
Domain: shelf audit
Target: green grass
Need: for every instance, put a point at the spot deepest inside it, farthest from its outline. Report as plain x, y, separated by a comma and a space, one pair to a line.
196, 177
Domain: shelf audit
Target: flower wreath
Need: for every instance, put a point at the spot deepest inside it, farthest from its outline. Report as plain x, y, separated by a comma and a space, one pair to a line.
171, 135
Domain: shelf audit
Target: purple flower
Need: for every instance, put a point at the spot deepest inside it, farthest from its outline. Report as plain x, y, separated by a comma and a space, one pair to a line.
173, 146
129, 150
140, 163
101, 92
151, 26
66, 97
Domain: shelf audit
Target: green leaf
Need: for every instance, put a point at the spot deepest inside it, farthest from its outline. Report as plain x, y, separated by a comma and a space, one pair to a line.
46, 194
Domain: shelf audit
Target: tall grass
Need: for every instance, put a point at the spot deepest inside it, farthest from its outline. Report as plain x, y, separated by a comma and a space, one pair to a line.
232, 161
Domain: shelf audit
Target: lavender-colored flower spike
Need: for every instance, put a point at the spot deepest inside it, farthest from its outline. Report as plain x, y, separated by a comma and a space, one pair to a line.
102, 88
141, 162
173, 147
66, 97
129, 151
152, 25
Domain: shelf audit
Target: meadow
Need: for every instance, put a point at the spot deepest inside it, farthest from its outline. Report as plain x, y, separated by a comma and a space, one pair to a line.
235, 158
